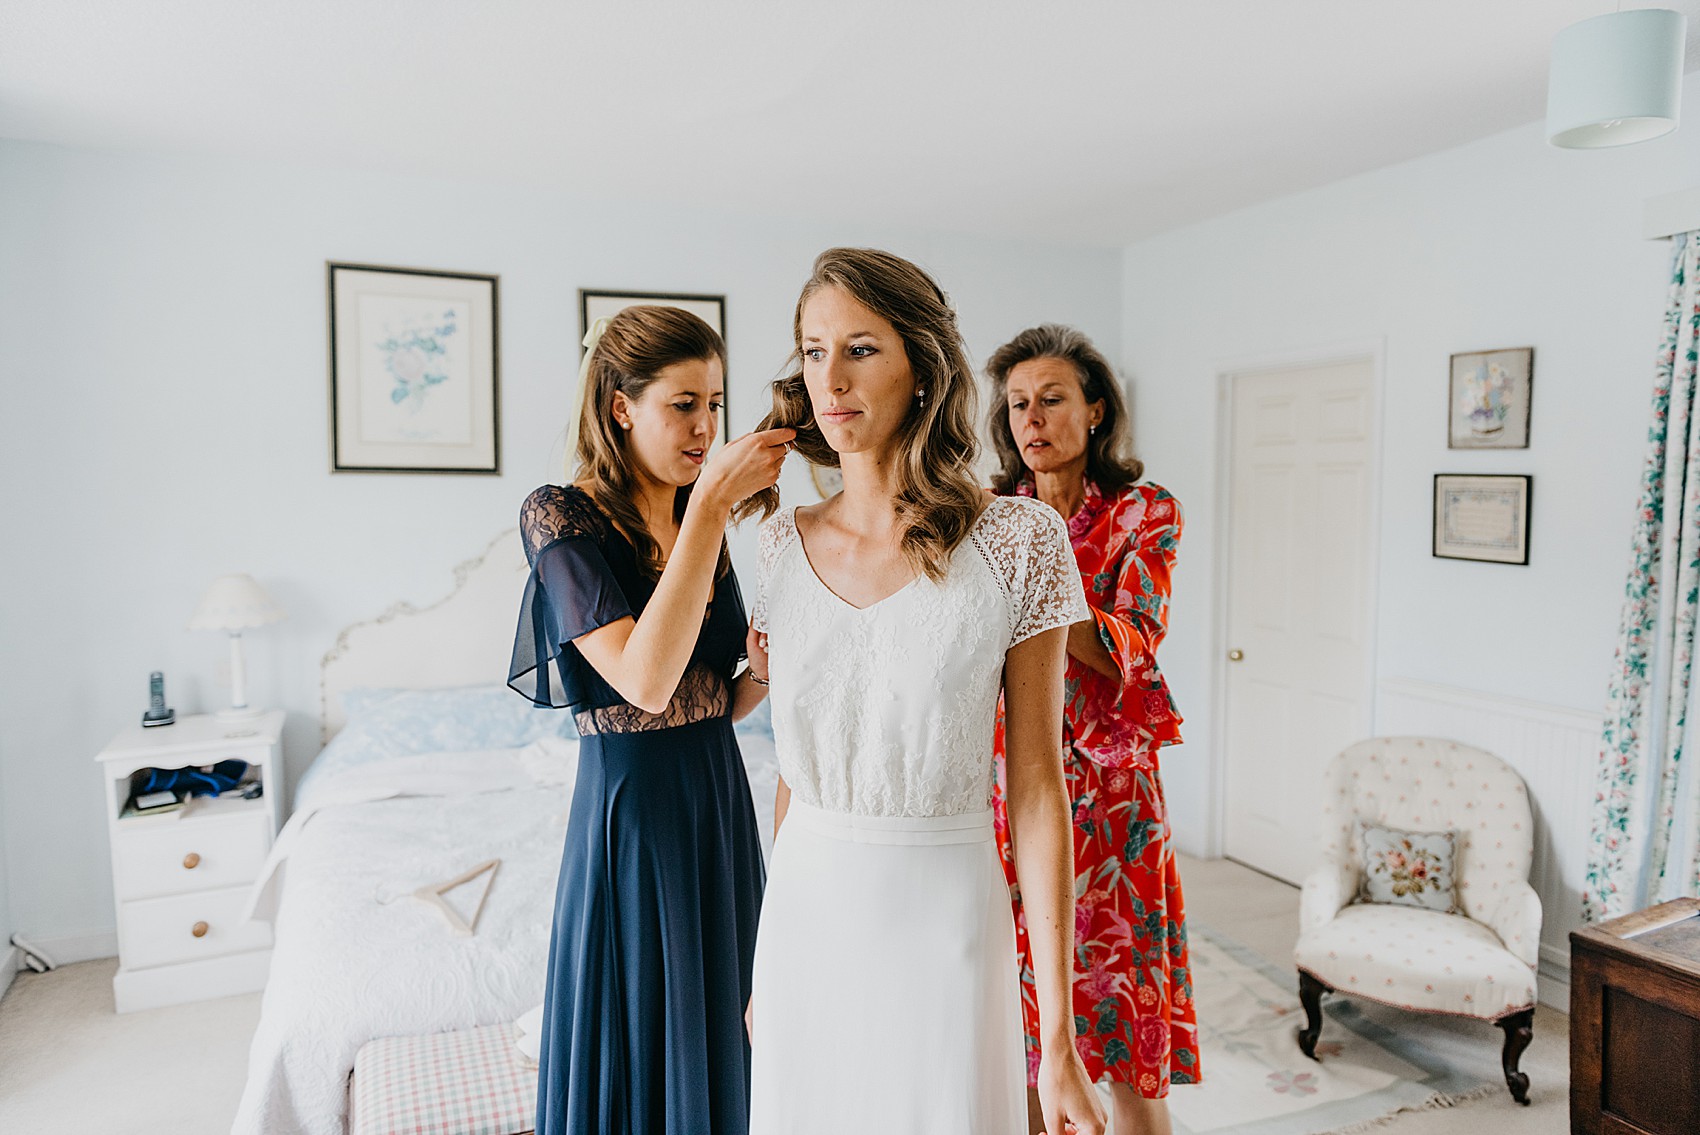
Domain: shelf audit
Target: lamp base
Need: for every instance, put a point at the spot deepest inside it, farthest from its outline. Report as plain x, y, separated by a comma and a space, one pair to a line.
235, 713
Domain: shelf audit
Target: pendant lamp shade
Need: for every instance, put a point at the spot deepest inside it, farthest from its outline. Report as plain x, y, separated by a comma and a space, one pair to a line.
1615, 79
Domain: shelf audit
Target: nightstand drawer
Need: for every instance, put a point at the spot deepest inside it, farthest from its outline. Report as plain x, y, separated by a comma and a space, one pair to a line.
188, 855
183, 928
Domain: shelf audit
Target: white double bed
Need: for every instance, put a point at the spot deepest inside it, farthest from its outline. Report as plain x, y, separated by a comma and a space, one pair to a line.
438, 771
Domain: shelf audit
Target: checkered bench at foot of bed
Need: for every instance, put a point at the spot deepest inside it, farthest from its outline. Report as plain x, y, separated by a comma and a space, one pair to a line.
472, 1082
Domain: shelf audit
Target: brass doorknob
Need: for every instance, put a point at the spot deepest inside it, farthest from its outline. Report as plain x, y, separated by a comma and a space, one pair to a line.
199, 930
1236, 655
191, 861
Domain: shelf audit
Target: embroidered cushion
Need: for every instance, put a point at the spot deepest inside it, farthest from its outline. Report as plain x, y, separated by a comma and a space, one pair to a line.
1408, 868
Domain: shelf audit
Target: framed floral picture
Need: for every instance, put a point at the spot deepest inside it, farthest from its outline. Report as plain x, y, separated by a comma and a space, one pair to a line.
1489, 402
1482, 517
594, 305
414, 371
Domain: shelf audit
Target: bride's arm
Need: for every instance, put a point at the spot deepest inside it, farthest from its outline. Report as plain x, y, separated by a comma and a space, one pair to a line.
1042, 835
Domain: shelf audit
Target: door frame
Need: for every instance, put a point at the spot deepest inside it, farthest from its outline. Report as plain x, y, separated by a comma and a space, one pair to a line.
1227, 372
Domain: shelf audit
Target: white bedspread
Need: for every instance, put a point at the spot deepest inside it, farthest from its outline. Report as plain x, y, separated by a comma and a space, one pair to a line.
356, 957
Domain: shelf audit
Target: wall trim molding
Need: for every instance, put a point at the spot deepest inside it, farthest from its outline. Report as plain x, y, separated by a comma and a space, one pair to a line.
1554, 749
68, 949
9, 963
1562, 716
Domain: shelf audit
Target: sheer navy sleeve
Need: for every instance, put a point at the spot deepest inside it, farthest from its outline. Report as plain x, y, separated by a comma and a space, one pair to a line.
571, 591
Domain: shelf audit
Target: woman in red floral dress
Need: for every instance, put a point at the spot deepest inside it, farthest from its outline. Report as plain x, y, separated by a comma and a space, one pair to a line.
1059, 426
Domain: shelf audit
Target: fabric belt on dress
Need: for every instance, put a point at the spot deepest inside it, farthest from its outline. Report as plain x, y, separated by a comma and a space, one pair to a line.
968, 827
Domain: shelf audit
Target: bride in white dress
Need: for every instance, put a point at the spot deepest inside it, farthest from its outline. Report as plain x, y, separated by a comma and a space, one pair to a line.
889, 618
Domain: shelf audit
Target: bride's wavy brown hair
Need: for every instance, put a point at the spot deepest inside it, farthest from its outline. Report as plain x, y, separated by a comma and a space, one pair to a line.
938, 497
640, 342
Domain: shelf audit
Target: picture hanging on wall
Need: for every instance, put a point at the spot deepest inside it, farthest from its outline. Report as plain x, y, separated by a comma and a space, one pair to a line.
414, 371
1482, 517
594, 305
1489, 406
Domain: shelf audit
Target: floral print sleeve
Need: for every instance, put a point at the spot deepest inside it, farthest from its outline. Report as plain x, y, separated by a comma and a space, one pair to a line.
1149, 528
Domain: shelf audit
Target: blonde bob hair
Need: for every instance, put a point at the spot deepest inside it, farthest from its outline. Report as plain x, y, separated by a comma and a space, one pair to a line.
938, 497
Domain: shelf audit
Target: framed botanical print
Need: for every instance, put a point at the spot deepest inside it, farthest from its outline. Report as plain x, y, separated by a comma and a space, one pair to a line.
594, 305
1489, 399
1482, 517
414, 360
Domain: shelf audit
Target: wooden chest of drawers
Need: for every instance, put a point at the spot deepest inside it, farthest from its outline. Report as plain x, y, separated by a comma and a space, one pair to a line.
1635, 1023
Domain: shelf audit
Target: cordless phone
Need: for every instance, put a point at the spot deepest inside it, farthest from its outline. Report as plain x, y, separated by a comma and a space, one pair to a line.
158, 712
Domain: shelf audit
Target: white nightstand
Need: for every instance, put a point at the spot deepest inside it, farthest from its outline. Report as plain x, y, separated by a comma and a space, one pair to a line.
181, 878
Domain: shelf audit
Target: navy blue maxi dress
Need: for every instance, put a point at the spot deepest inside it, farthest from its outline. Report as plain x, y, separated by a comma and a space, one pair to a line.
661, 878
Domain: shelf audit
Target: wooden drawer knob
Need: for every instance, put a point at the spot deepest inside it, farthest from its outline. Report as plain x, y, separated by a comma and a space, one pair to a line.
199, 930
191, 861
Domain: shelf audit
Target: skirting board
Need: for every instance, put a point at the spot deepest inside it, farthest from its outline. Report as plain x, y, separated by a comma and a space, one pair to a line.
9, 963
71, 948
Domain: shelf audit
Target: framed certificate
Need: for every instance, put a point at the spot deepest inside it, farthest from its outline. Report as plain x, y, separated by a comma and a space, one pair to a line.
1482, 517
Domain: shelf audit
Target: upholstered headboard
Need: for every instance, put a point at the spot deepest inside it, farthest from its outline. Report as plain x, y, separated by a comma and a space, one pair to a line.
463, 639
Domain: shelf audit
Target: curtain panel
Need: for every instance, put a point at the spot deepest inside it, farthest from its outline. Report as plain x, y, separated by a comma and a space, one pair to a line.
1645, 834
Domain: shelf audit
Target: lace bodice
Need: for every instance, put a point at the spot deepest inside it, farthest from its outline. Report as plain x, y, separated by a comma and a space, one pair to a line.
584, 575
888, 710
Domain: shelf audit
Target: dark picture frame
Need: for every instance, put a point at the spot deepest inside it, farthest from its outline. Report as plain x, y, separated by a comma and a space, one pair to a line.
1482, 517
1489, 396
594, 303
414, 359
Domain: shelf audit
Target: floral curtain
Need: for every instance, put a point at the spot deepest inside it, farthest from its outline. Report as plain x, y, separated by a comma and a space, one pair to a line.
1645, 839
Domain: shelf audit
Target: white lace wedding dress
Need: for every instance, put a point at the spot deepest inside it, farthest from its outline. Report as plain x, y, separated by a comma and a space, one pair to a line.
885, 996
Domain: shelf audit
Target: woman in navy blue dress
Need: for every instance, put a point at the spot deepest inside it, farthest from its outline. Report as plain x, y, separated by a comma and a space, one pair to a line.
632, 598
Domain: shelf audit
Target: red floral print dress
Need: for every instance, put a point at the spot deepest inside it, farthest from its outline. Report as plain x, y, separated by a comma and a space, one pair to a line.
1134, 1018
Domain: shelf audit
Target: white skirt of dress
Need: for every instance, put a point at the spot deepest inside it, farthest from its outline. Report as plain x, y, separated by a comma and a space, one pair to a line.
886, 996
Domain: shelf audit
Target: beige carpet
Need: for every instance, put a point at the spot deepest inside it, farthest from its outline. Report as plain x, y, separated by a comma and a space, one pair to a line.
69, 1064
1263, 915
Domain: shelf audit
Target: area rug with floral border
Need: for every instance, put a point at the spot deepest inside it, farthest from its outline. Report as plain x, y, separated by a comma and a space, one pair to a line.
1375, 1063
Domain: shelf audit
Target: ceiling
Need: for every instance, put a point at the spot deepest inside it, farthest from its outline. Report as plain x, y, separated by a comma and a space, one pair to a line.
1082, 121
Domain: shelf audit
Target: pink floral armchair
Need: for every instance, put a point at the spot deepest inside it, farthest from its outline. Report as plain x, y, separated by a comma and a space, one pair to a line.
1479, 962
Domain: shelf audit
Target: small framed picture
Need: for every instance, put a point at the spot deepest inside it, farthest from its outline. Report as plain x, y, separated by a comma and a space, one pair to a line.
1482, 517
1489, 402
413, 371
594, 305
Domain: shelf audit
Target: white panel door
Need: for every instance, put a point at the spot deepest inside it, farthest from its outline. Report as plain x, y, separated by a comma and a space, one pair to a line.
1298, 682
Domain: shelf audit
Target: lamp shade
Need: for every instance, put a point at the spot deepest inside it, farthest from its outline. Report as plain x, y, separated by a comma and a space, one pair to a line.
233, 603
1615, 79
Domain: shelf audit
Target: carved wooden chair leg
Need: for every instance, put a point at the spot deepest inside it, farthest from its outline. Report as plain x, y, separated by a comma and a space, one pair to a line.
1310, 996
1519, 1031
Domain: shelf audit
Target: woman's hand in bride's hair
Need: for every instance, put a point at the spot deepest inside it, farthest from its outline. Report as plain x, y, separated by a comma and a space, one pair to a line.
745, 466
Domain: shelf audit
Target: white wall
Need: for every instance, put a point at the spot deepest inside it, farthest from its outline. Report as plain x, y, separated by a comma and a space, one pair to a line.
1502, 243
162, 349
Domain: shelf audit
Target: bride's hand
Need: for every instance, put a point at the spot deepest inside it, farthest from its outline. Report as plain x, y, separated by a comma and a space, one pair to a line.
1067, 1099
755, 645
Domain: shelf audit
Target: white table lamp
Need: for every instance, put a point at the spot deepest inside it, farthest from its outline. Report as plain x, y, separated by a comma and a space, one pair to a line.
233, 603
